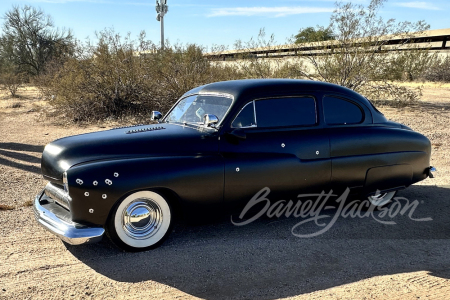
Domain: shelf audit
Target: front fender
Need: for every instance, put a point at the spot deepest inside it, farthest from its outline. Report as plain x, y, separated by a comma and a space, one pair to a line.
96, 187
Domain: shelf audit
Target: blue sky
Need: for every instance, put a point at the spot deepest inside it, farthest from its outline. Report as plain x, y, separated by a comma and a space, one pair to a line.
217, 22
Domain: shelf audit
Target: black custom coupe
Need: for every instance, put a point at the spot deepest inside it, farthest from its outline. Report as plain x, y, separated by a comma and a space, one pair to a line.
219, 145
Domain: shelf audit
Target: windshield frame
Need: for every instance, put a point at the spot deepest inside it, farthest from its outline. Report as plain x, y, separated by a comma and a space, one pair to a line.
201, 94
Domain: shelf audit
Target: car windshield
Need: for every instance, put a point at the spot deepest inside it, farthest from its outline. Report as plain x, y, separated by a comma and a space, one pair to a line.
193, 108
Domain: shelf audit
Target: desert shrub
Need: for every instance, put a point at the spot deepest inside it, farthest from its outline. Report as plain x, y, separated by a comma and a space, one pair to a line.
390, 94
252, 65
409, 65
439, 71
357, 58
178, 69
119, 77
11, 81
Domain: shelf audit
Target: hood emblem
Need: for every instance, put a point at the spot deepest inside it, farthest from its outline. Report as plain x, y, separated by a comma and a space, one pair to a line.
144, 129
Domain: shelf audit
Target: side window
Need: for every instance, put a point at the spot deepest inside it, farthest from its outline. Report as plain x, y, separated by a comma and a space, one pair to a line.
338, 111
282, 112
246, 117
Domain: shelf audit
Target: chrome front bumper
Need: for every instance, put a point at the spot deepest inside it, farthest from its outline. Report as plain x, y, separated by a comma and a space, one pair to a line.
70, 232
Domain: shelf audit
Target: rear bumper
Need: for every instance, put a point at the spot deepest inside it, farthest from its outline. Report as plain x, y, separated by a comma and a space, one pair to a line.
431, 171
70, 232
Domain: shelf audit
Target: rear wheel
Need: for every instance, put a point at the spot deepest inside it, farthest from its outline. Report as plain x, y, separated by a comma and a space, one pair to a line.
142, 221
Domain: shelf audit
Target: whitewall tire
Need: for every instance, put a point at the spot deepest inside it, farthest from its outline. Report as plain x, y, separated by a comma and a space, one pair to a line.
141, 221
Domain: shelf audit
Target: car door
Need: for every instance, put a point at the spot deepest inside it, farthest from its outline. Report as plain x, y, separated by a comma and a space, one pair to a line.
285, 149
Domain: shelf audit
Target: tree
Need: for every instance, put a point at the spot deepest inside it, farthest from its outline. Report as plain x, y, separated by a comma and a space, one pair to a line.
10, 78
252, 64
359, 58
30, 40
310, 34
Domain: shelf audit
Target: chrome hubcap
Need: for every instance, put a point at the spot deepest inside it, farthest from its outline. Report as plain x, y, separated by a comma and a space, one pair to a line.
142, 219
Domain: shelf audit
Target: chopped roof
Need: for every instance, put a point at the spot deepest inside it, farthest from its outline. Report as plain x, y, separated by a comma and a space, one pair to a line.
243, 89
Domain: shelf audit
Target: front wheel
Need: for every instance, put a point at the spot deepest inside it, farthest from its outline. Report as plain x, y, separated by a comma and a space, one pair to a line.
142, 221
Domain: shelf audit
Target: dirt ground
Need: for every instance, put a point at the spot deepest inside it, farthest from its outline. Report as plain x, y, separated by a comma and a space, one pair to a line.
356, 259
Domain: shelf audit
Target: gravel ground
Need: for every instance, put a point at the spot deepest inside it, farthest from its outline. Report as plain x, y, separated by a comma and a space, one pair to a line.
355, 259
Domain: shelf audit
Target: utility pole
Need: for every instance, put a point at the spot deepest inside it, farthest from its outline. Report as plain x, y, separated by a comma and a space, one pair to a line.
161, 9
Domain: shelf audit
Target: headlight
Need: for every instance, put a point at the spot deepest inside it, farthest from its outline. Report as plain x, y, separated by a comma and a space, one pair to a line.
66, 185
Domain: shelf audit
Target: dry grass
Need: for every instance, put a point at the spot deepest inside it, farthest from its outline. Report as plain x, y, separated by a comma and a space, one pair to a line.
28, 100
426, 85
15, 105
4, 207
28, 203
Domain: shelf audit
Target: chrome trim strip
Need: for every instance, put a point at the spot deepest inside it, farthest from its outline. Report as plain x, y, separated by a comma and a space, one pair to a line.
51, 178
254, 113
71, 233
58, 194
254, 116
224, 95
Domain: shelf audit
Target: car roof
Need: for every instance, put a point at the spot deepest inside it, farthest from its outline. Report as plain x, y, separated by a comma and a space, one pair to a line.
241, 90
245, 90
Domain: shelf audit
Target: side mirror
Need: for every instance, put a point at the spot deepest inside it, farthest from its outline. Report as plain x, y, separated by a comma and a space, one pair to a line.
156, 116
210, 120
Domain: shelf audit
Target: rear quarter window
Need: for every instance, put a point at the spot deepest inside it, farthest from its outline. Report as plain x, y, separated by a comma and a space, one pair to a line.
338, 111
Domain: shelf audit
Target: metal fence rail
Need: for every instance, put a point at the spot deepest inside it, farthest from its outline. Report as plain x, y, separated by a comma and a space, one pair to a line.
434, 40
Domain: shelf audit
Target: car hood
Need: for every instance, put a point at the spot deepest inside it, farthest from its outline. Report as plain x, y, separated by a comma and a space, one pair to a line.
127, 142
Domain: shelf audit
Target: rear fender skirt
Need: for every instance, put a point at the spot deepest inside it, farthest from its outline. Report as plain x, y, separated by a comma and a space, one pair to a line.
388, 178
